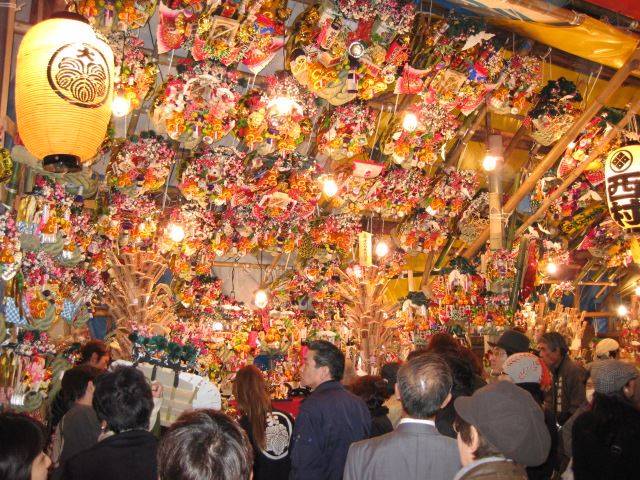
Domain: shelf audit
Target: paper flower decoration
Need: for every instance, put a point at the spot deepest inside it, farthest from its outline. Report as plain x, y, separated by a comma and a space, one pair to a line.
397, 192
524, 78
213, 176
278, 119
199, 104
141, 165
135, 70
108, 15
421, 233
346, 132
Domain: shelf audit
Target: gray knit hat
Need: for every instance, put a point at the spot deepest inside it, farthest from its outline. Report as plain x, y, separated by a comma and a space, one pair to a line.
609, 376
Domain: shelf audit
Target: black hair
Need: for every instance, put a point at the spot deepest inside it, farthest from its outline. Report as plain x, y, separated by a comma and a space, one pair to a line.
75, 381
91, 347
416, 353
204, 444
534, 389
484, 449
424, 383
555, 341
326, 354
123, 399
22, 440
389, 372
370, 388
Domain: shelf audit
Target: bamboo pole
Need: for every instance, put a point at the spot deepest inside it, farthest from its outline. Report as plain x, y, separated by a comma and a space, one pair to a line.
582, 166
550, 158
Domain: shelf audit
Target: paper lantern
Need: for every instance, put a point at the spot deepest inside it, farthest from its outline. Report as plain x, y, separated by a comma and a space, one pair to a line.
622, 176
64, 86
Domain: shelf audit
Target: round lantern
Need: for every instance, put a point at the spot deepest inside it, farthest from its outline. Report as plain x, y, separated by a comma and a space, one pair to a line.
64, 85
622, 176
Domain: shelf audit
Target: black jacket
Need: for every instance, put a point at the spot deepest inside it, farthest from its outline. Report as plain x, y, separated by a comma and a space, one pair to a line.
126, 456
607, 447
330, 420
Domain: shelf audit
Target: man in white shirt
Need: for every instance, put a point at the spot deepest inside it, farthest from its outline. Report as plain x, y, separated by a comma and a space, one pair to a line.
415, 450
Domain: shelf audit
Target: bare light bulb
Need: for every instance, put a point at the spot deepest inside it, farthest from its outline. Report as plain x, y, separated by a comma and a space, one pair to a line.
120, 105
637, 290
260, 298
489, 162
571, 145
382, 249
175, 232
622, 310
552, 268
329, 187
217, 326
410, 122
283, 105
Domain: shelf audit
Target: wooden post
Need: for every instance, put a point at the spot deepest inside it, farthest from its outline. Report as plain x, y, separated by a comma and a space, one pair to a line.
578, 170
7, 27
550, 158
521, 261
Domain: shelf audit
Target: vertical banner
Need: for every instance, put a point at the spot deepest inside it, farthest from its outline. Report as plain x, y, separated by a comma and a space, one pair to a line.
365, 258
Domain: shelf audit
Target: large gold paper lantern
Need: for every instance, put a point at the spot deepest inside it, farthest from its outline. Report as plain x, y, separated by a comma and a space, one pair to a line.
64, 86
622, 176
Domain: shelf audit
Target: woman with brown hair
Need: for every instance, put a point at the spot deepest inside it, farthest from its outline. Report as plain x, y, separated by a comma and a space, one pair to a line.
269, 430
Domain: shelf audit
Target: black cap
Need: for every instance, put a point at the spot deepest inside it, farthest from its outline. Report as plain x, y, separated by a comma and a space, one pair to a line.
512, 341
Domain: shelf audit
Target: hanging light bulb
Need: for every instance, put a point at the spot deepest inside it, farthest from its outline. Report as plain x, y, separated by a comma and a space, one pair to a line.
637, 291
283, 105
489, 162
217, 326
175, 232
120, 105
622, 311
382, 249
329, 187
410, 122
260, 298
552, 268
571, 145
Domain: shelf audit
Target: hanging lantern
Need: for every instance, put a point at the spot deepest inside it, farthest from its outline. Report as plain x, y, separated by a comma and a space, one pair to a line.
64, 87
622, 175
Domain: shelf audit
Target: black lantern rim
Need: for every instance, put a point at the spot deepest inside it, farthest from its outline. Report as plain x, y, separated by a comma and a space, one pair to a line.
61, 163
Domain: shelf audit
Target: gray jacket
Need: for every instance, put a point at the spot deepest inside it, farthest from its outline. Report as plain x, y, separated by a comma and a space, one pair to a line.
411, 452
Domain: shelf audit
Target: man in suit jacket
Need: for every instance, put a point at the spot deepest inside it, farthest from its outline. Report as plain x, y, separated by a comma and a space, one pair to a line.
415, 450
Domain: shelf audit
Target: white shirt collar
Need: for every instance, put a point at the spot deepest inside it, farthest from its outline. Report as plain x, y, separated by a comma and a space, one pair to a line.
475, 463
417, 420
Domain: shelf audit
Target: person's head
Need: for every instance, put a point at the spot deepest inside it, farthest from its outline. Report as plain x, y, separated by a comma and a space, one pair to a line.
607, 348
462, 373
416, 353
204, 444
370, 388
250, 391
323, 362
389, 373
424, 385
122, 399
615, 379
78, 384
96, 354
442, 342
22, 443
528, 372
510, 342
553, 348
501, 419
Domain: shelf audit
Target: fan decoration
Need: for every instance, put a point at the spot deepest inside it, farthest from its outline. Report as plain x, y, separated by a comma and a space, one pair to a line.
198, 104
396, 193
248, 33
213, 176
116, 15
346, 132
351, 49
475, 218
141, 165
135, 70
421, 233
523, 80
277, 119
555, 110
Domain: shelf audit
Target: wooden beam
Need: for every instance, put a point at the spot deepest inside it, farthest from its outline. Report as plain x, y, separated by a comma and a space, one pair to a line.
7, 55
556, 151
596, 151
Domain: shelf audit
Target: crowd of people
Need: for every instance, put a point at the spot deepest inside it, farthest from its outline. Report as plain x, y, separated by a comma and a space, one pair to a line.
536, 414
